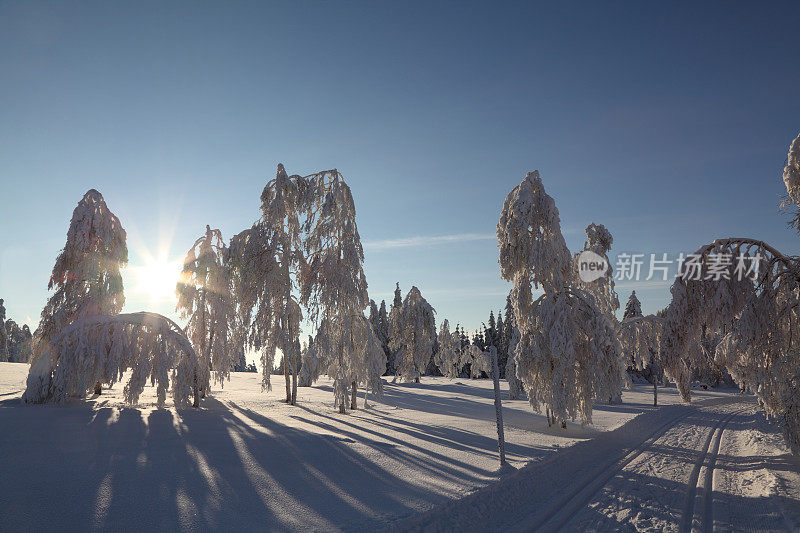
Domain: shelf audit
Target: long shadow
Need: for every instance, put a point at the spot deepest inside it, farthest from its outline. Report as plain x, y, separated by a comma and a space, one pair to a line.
460, 407
79, 468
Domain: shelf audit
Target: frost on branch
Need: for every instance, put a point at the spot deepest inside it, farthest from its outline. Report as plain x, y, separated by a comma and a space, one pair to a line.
86, 276
205, 299
100, 348
568, 353
413, 334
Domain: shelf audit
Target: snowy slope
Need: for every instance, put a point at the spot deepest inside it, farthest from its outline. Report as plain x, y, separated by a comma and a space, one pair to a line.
246, 460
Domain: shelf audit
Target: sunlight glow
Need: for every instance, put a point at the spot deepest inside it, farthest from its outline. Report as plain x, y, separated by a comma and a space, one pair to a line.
157, 278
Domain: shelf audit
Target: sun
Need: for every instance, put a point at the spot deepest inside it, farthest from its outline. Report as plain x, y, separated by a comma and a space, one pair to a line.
157, 278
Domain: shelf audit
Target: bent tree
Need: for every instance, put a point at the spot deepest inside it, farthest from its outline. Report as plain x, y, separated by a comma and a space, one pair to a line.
101, 348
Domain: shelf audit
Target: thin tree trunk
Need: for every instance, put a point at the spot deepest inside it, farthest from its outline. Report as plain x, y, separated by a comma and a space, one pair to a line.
196, 393
498, 409
286, 376
294, 380
208, 357
366, 393
353, 396
655, 393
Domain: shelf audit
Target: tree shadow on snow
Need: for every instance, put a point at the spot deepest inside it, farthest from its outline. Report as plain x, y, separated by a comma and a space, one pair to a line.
220, 467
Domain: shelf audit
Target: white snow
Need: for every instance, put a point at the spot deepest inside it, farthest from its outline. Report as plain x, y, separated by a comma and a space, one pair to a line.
246, 460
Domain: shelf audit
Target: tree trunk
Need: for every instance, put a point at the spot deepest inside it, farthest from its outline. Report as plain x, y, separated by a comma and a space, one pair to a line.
286, 376
655, 393
98, 388
353, 396
366, 393
196, 393
294, 381
498, 409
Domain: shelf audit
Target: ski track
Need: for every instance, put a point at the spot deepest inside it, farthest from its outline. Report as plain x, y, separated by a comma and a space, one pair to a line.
665, 478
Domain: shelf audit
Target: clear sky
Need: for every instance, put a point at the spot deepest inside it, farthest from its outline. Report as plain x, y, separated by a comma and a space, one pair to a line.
668, 122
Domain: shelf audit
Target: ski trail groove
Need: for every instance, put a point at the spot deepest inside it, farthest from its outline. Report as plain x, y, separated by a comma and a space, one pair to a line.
698, 510
561, 511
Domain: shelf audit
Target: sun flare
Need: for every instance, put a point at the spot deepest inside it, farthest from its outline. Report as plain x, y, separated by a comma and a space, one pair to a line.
157, 278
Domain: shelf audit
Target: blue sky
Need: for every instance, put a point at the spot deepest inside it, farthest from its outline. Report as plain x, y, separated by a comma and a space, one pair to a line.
667, 122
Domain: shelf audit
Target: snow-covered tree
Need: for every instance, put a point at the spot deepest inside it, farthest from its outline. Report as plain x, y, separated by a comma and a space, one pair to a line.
413, 333
4, 354
311, 367
282, 204
640, 340
506, 336
266, 260
101, 348
763, 320
502, 347
306, 239
86, 276
599, 241
394, 310
205, 299
257, 285
697, 301
478, 361
334, 288
633, 308
448, 356
791, 179
19, 340
380, 324
568, 352
515, 385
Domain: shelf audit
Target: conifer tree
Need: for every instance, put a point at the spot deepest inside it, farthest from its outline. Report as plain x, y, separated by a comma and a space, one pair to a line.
413, 334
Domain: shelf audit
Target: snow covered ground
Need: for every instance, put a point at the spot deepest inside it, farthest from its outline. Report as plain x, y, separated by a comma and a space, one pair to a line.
424, 455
